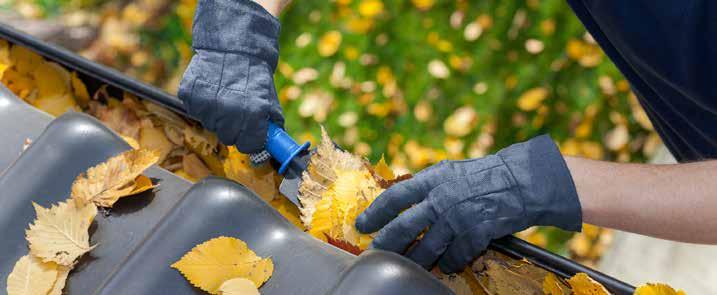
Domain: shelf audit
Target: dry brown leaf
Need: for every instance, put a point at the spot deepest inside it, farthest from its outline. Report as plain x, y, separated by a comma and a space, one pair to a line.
238, 286
31, 276
59, 234
105, 183
213, 262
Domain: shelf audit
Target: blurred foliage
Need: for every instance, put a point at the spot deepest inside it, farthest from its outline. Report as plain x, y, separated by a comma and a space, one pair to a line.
418, 81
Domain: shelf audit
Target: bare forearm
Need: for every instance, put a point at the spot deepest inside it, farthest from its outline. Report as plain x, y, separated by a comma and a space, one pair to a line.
273, 6
676, 202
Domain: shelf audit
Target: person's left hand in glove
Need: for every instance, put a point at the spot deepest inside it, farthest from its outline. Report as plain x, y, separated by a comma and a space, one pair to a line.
466, 204
229, 84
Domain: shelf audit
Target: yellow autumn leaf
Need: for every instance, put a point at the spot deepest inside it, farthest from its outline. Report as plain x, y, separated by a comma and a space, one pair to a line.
336, 189
25, 60
383, 170
56, 105
59, 234
5, 61
261, 180
238, 286
213, 262
582, 284
31, 276
106, 182
552, 286
61, 280
329, 43
657, 289
370, 8
532, 98
51, 79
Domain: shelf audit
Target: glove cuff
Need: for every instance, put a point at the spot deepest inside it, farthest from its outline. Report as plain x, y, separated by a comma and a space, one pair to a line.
545, 183
236, 26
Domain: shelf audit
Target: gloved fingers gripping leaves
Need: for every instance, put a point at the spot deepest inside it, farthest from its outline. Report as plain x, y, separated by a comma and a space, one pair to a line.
389, 204
465, 204
398, 234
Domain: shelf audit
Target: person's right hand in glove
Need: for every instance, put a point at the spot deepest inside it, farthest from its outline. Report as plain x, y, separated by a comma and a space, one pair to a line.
229, 85
466, 204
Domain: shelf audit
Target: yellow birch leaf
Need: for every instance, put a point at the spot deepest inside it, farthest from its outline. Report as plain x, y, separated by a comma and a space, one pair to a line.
657, 289
532, 98
105, 183
383, 170
238, 286
59, 234
582, 284
213, 262
62, 273
30, 276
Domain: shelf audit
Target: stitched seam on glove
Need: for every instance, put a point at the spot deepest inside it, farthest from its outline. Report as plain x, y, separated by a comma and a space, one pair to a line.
459, 177
474, 197
516, 185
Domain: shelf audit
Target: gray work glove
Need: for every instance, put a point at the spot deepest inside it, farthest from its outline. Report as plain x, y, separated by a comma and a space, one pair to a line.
466, 204
229, 84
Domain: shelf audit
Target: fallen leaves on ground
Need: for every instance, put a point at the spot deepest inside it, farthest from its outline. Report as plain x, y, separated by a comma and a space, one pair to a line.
59, 234
118, 177
213, 262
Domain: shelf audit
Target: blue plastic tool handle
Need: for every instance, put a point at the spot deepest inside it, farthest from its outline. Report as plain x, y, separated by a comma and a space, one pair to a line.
282, 147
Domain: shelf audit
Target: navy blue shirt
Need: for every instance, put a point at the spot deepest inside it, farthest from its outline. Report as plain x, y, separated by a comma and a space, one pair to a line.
667, 49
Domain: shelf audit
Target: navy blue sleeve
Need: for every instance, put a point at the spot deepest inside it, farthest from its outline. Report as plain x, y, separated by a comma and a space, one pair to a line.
667, 50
